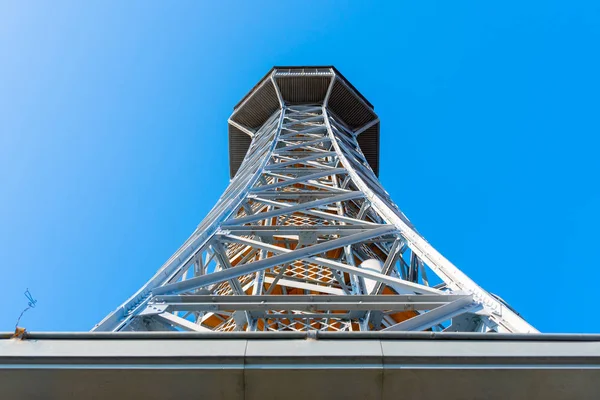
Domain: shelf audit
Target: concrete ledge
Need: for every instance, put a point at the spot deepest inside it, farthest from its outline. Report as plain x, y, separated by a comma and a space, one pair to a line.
249, 367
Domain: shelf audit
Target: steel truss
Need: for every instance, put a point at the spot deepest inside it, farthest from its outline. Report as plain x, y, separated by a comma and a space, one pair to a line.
306, 238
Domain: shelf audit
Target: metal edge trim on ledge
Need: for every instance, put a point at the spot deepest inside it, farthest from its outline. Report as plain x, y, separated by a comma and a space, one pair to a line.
305, 335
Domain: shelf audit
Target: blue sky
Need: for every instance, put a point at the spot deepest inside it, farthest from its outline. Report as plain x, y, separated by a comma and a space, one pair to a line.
113, 141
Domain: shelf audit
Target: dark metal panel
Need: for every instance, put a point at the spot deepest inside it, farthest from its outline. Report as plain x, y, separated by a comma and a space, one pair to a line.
347, 105
239, 142
303, 89
369, 144
258, 107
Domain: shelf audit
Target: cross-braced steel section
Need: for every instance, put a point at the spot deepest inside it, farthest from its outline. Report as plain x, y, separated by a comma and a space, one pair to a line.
305, 237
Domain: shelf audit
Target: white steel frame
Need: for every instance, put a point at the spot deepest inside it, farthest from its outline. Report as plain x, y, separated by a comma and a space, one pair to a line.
291, 245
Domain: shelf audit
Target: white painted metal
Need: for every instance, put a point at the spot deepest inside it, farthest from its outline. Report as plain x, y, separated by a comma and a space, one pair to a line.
306, 216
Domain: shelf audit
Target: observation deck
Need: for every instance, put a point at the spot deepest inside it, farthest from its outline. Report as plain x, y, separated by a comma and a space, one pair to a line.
303, 85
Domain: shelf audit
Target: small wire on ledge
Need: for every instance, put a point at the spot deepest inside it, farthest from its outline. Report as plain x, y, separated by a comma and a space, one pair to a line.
20, 332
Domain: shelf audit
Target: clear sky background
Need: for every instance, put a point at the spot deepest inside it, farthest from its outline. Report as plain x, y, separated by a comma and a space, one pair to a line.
113, 137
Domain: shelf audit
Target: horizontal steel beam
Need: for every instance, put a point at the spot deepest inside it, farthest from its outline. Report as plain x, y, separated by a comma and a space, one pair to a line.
287, 209
291, 229
303, 144
302, 179
317, 213
306, 302
300, 160
317, 194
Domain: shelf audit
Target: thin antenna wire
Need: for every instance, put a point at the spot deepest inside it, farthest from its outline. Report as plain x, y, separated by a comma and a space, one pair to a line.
31, 304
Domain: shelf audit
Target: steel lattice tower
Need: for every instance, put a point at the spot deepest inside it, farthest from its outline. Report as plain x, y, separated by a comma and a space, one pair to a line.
305, 237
